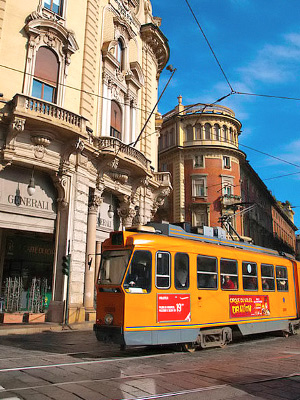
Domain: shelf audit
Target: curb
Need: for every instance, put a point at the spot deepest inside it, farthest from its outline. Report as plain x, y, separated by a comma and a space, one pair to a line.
26, 329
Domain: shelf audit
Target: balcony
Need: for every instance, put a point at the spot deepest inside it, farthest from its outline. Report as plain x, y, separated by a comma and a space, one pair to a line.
163, 179
39, 114
229, 200
126, 155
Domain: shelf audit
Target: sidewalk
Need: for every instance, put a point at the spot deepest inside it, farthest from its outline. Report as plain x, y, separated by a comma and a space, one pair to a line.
27, 329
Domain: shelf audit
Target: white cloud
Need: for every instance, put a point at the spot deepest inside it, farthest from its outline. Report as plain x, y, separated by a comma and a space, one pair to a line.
274, 63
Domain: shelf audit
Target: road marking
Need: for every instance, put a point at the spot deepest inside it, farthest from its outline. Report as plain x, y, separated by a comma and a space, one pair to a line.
106, 360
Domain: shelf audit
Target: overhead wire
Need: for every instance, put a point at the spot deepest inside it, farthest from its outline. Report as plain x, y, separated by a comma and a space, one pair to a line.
186, 108
209, 45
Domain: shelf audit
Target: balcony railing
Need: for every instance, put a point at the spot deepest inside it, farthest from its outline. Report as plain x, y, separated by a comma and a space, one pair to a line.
229, 200
32, 107
163, 178
112, 144
201, 108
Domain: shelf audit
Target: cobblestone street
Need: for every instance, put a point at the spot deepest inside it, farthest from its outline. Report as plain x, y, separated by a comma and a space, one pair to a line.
73, 365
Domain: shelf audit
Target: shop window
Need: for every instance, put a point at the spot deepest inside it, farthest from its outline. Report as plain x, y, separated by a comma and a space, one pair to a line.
267, 277
116, 121
138, 278
282, 279
229, 274
44, 84
199, 161
54, 5
182, 279
249, 270
226, 162
199, 186
163, 270
207, 272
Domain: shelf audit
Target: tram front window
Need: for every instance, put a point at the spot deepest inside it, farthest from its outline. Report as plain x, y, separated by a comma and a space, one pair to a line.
113, 266
138, 278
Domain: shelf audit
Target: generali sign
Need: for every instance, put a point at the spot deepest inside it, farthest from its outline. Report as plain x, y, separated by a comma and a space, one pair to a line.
14, 197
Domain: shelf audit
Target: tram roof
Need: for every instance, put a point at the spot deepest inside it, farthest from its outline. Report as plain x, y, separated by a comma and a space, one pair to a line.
178, 232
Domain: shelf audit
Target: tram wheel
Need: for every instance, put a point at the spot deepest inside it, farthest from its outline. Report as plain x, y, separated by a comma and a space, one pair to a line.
189, 347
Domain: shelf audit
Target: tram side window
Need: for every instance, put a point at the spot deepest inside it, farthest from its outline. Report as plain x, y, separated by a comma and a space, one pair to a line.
138, 278
267, 277
282, 279
207, 272
250, 281
182, 279
163, 270
229, 274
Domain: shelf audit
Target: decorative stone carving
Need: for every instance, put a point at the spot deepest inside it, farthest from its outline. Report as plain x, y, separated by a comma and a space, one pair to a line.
62, 183
115, 92
94, 202
120, 177
126, 211
40, 142
18, 124
159, 199
114, 163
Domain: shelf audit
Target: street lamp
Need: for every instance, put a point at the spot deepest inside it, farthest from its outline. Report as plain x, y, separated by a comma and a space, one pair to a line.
110, 211
31, 185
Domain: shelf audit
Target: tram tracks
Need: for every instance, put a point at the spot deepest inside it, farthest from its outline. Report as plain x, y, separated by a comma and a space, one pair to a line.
18, 390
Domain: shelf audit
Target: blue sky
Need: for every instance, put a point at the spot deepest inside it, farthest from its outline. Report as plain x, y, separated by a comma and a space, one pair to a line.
257, 43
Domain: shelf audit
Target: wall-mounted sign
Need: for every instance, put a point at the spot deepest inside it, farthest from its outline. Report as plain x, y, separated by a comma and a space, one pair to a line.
14, 197
173, 307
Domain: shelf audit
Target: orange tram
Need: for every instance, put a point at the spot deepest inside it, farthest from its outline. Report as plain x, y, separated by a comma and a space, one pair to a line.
159, 284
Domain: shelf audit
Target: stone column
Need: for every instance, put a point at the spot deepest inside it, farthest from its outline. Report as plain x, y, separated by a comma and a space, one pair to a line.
133, 122
127, 120
89, 281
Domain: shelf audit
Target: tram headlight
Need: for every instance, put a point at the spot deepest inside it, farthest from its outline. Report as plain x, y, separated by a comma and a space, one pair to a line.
108, 319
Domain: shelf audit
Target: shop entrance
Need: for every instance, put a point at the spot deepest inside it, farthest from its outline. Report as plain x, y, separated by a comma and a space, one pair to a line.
27, 270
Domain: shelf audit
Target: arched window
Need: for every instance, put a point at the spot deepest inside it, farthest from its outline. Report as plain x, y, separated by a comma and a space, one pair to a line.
189, 133
231, 136
207, 131
216, 132
198, 129
116, 120
54, 5
120, 53
225, 133
44, 84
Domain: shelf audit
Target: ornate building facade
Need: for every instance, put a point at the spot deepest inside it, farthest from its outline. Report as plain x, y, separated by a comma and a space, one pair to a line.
212, 180
199, 146
77, 87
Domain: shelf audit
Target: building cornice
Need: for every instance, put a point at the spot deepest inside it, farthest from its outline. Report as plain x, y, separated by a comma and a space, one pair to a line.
154, 38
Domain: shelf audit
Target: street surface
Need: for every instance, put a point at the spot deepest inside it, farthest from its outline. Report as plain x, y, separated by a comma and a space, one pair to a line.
73, 365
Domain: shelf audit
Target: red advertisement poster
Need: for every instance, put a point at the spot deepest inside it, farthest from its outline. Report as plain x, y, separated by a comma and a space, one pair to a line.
173, 307
249, 306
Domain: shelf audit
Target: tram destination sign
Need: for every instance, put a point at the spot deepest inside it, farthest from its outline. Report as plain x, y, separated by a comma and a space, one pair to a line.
173, 307
248, 306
